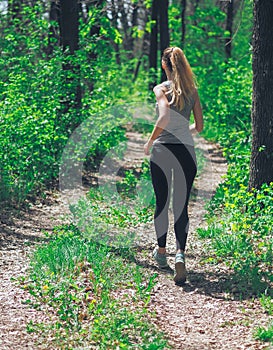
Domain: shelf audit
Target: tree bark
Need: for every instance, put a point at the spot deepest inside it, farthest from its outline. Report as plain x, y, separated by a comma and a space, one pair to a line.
69, 39
114, 22
69, 25
125, 25
164, 30
261, 164
229, 25
134, 24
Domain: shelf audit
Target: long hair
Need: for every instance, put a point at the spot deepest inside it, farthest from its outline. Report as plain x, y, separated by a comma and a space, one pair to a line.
182, 76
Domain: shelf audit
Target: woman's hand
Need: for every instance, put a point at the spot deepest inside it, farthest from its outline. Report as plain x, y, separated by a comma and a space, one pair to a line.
193, 129
147, 147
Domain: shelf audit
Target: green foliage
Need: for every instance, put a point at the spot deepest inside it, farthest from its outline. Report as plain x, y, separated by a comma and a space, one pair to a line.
207, 25
243, 24
239, 221
227, 103
37, 115
95, 295
116, 218
243, 235
267, 303
264, 333
28, 127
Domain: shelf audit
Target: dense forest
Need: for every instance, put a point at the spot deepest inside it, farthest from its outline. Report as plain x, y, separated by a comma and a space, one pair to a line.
61, 62
67, 62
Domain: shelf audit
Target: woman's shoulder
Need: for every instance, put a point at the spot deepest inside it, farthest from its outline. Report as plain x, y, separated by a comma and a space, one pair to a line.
160, 90
164, 86
167, 84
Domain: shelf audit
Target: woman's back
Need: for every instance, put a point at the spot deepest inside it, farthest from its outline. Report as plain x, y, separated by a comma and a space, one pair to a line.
177, 130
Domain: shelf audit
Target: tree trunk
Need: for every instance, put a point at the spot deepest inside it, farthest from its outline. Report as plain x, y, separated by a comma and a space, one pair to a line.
261, 164
144, 47
164, 31
229, 25
114, 23
69, 37
69, 25
183, 25
125, 25
94, 31
153, 43
134, 24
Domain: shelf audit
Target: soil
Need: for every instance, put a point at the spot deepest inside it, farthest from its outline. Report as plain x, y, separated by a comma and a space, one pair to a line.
200, 315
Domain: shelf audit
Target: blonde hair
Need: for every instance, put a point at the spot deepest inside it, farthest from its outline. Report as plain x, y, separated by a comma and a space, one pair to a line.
183, 78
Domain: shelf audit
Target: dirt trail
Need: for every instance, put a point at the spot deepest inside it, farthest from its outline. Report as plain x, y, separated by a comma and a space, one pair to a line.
18, 236
198, 316
201, 315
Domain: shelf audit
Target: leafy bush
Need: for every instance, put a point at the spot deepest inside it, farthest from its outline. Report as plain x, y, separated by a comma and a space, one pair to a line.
239, 221
243, 235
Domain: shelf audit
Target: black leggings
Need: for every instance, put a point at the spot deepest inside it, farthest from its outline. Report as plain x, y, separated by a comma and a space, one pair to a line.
180, 160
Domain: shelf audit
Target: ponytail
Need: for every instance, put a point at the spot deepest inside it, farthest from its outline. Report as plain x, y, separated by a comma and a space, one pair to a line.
182, 76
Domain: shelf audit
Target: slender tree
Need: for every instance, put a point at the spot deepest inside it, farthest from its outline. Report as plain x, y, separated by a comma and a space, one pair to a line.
142, 44
135, 8
164, 30
125, 24
153, 42
261, 164
160, 17
229, 25
69, 22
69, 38
114, 23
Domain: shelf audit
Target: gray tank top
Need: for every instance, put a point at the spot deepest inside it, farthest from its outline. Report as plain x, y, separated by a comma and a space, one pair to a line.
177, 130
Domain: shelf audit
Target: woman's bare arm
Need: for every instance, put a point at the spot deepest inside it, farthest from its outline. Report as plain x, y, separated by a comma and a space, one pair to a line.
198, 115
163, 118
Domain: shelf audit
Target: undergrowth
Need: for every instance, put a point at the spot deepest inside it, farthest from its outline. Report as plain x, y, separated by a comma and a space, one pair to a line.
93, 296
239, 219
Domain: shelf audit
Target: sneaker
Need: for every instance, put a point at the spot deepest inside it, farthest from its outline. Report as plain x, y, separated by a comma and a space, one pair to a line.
180, 269
160, 259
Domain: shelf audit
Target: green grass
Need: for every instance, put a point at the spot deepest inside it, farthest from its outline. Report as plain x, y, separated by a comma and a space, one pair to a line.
92, 295
240, 232
265, 333
267, 303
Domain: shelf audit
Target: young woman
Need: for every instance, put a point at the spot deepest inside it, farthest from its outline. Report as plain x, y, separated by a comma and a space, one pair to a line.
173, 157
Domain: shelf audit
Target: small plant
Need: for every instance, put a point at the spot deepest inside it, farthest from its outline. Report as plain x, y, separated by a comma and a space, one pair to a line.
264, 334
267, 303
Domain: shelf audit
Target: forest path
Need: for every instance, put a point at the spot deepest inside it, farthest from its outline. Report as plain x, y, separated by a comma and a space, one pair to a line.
198, 316
202, 315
